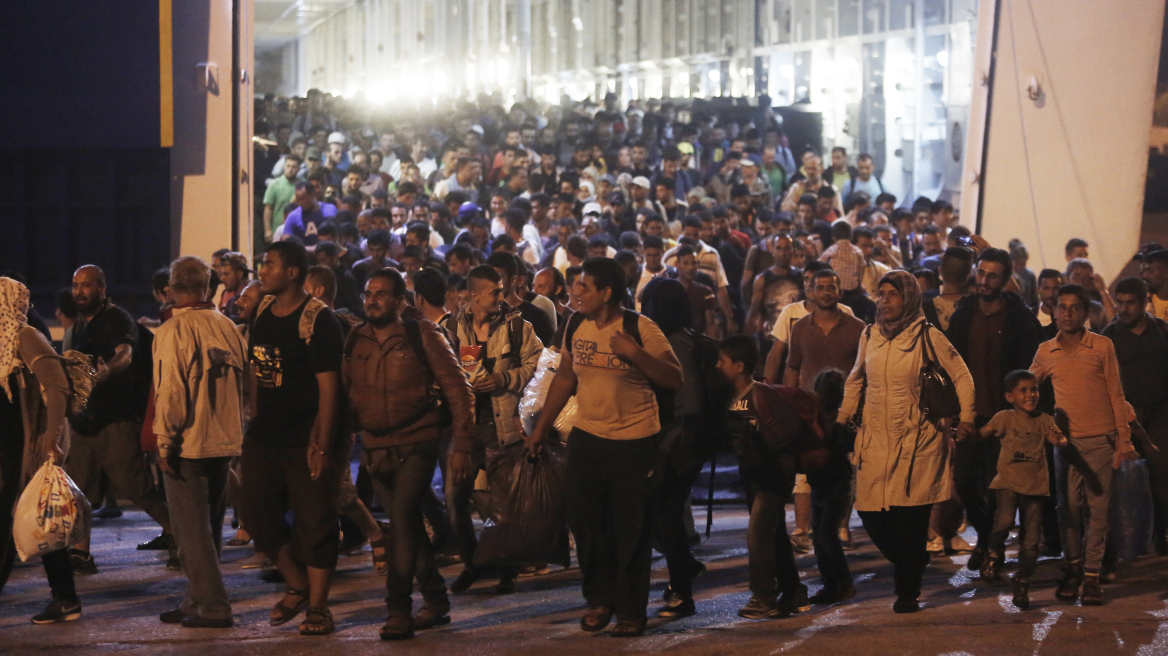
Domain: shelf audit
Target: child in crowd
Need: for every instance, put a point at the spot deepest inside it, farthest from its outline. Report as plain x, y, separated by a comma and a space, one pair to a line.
1022, 483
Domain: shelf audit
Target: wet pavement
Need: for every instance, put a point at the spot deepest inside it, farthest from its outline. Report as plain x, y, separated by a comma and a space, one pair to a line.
961, 615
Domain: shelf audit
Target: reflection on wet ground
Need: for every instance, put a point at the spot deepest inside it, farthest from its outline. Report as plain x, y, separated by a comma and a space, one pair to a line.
961, 614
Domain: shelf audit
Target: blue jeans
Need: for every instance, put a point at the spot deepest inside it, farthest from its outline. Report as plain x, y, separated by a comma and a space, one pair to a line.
1031, 510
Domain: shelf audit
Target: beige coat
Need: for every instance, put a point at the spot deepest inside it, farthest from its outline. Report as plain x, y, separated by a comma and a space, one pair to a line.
199, 359
901, 460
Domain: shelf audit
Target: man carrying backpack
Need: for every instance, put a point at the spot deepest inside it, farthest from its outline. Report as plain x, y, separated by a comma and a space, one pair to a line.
771, 441
499, 351
391, 370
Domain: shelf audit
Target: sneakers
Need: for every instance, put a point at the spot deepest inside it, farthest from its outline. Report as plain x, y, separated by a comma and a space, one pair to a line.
1068, 588
59, 610
1092, 593
976, 559
164, 542
991, 570
801, 541
82, 562
1021, 593
759, 609
466, 578
906, 605
677, 607
936, 546
791, 603
507, 585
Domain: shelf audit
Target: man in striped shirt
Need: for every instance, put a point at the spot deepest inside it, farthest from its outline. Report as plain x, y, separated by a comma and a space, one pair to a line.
1085, 373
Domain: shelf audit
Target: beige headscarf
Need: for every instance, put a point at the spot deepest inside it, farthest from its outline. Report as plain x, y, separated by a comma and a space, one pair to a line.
13, 317
906, 284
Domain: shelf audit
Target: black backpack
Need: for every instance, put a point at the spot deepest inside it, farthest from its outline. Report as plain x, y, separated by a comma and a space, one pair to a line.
715, 394
630, 325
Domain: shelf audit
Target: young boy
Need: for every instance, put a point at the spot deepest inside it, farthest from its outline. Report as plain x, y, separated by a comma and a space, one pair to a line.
767, 439
1022, 483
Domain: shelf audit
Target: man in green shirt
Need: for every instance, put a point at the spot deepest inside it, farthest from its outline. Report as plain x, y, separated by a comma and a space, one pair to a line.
280, 192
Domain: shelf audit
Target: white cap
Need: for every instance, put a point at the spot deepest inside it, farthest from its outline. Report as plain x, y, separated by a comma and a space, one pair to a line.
642, 181
587, 184
336, 137
746, 161
589, 220
592, 208
477, 129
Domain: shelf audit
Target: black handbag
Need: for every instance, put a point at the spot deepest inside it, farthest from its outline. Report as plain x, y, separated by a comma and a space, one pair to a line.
937, 394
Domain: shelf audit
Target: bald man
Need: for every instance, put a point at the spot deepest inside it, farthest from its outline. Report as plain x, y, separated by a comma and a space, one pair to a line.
107, 435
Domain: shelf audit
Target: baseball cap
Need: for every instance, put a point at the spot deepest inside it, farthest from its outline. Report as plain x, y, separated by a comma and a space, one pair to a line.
336, 137
617, 198
589, 219
746, 161
477, 129
686, 148
312, 152
592, 208
468, 210
641, 181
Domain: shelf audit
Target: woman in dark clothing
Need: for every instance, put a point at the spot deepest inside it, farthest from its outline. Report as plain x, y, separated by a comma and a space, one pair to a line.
29, 365
686, 433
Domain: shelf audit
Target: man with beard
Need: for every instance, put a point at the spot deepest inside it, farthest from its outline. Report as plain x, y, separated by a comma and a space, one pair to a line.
1141, 346
781, 248
107, 434
995, 333
402, 422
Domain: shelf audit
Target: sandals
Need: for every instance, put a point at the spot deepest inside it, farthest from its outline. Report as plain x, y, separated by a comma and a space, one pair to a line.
398, 627
432, 615
238, 541
288, 613
629, 629
317, 622
596, 619
381, 563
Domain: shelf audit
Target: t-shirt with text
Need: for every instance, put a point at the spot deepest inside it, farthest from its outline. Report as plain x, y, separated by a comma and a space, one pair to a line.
615, 399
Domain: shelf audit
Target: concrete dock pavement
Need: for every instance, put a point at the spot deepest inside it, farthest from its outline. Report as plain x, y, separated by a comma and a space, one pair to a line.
961, 614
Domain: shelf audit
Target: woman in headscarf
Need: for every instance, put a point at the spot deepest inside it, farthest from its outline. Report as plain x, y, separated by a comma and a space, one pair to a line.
33, 395
688, 431
902, 459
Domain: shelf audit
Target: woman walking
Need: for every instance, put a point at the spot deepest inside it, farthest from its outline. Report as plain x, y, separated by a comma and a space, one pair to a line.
29, 365
902, 457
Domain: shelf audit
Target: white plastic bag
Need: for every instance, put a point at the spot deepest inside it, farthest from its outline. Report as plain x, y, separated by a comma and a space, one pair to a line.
52, 514
567, 419
536, 391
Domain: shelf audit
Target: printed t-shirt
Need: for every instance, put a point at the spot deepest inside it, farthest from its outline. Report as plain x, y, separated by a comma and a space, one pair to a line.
287, 393
1022, 459
615, 399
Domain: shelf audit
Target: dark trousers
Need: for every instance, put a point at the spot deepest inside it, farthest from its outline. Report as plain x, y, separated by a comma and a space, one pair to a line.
610, 502
458, 494
1155, 422
830, 504
670, 530
278, 480
975, 463
901, 533
400, 476
1030, 508
117, 449
771, 559
60, 575
198, 499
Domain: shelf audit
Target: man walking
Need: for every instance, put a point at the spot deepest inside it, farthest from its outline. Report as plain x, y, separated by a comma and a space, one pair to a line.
499, 352
295, 350
995, 333
199, 357
391, 369
108, 432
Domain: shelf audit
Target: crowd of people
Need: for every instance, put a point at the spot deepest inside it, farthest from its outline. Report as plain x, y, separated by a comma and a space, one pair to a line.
705, 289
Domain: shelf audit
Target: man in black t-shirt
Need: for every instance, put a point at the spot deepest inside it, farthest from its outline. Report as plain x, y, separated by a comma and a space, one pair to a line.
107, 435
295, 349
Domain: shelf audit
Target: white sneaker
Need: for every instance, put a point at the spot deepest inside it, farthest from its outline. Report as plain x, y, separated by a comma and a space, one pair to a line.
958, 545
936, 546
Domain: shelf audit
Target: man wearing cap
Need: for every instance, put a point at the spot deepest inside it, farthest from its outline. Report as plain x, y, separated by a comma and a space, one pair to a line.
640, 193
336, 160
758, 187
671, 165
619, 217
313, 163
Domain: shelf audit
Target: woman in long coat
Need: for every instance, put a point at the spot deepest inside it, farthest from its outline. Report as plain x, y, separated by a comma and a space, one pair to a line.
902, 459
